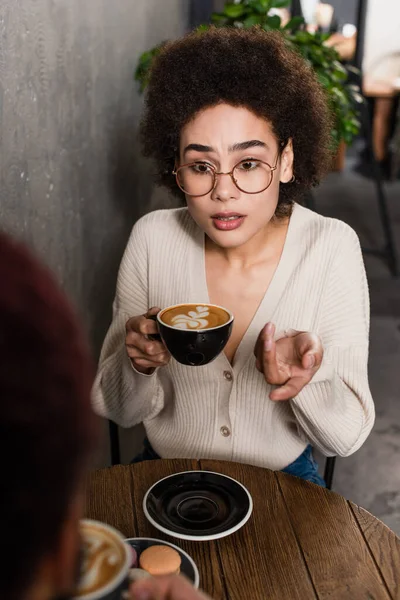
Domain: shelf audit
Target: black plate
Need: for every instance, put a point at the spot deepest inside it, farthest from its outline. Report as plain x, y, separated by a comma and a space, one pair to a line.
188, 566
198, 505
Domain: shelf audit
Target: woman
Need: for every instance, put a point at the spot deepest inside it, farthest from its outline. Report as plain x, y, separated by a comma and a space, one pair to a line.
239, 126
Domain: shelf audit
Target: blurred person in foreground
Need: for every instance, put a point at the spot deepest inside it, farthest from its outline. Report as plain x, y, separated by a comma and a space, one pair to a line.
47, 435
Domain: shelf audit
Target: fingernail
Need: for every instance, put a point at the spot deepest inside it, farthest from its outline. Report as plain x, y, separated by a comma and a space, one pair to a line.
290, 332
268, 344
310, 361
268, 328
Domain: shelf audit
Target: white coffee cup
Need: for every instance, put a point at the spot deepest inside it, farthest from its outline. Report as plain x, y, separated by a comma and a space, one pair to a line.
106, 562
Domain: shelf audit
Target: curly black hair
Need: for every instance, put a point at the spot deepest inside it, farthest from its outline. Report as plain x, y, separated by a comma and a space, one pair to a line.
241, 67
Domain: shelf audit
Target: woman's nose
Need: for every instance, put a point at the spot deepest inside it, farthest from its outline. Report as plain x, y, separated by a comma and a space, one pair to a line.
225, 188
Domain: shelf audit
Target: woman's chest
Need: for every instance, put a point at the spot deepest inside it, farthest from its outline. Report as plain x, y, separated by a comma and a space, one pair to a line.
242, 294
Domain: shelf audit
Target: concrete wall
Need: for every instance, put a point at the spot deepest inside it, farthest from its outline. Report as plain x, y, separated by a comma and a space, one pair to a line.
72, 181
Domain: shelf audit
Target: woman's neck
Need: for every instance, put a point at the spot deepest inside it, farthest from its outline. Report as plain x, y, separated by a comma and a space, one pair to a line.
261, 247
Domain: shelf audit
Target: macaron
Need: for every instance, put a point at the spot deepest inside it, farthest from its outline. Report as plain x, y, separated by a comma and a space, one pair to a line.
160, 560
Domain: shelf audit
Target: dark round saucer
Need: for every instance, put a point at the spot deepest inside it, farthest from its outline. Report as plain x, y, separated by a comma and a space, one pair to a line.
198, 505
188, 566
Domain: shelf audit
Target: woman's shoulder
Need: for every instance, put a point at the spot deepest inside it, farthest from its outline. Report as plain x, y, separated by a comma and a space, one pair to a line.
169, 217
323, 230
159, 225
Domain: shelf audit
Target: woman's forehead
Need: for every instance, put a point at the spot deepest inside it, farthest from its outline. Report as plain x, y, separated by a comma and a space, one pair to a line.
226, 125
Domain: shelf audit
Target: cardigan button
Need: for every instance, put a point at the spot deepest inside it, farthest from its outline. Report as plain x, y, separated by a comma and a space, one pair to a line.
228, 375
225, 431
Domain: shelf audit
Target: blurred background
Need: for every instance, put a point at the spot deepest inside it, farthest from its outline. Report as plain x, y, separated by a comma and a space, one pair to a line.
73, 182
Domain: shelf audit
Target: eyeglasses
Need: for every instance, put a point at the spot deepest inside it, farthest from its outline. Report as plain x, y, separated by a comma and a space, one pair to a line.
251, 176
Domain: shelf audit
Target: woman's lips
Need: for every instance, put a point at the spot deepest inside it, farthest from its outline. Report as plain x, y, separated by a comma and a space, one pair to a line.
227, 221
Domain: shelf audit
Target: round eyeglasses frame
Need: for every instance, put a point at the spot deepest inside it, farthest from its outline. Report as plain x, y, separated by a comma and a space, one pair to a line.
230, 173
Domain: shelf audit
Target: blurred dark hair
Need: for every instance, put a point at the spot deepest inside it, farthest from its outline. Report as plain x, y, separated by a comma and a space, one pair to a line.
47, 428
242, 67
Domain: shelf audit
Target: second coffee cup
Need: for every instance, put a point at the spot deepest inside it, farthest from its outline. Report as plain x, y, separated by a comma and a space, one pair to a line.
106, 559
195, 334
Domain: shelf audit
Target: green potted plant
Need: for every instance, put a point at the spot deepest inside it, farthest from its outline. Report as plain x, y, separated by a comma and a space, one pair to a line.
343, 95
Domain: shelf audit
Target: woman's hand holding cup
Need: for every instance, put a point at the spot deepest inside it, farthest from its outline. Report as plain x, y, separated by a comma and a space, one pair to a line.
146, 354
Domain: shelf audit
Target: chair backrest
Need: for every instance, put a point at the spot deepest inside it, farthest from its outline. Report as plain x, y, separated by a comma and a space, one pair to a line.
361, 26
114, 443
329, 470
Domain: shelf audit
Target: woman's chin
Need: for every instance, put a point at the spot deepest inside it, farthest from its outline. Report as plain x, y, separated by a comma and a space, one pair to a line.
228, 239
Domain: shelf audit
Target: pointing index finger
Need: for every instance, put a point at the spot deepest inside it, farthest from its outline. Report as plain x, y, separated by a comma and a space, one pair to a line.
269, 363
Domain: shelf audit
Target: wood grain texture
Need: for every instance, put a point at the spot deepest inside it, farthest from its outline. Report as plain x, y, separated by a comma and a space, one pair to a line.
384, 545
338, 559
203, 553
109, 498
263, 557
302, 541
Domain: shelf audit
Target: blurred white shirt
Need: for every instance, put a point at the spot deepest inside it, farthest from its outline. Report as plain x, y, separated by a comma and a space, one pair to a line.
381, 62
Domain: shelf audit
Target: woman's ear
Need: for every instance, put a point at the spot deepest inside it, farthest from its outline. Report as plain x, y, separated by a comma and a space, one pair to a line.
286, 170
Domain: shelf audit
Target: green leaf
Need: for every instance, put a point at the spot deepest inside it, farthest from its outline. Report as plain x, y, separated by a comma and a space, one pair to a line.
357, 97
339, 95
324, 79
280, 3
217, 19
273, 22
302, 37
353, 87
234, 11
354, 70
294, 23
259, 6
339, 76
252, 20
339, 67
145, 62
202, 28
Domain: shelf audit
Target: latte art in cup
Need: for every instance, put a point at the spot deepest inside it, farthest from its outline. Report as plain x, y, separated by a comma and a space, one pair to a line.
195, 334
195, 316
105, 560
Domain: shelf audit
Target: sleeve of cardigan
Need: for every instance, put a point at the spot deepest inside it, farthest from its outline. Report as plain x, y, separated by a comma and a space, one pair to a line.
120, 393
335, 410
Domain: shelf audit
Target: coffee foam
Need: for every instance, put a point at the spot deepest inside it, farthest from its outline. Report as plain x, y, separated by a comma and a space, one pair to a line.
104, 556
192, 317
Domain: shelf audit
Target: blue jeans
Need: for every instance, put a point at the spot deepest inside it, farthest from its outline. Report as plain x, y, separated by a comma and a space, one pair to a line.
305, 466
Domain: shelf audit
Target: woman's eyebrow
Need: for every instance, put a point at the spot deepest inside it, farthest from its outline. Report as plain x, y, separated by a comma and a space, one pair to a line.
246, 145
239, 146
198, 148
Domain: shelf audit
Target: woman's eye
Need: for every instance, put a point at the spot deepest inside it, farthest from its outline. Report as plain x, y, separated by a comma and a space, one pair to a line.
201, 168
249, 165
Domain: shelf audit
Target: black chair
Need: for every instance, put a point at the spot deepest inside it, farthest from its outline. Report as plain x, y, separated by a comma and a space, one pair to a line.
329, 470
116, 455
114, 443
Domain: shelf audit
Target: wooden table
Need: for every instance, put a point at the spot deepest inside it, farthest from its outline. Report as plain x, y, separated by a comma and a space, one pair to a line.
301, 541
